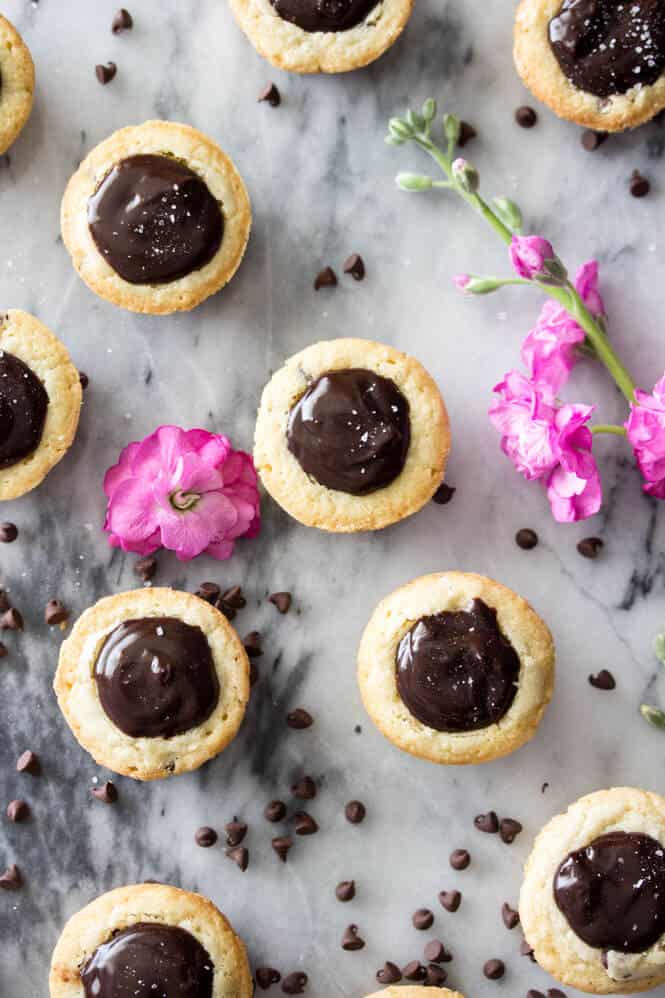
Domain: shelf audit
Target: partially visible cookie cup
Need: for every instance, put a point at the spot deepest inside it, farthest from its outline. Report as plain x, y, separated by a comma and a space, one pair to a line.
413, 991
17, 76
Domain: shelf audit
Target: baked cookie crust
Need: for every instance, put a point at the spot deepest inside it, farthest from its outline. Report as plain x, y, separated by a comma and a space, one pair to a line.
431, 594
17, 73
541, 73
556, 947
287, 46
414, 991
159, 903
339, 512
32, 342
213, 166
150, 758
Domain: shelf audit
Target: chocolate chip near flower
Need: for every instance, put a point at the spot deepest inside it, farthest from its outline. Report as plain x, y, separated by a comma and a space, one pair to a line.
146, 567
209, 591
304, 788
305, 824
106, 793
466, 133
11, 879
8, 532
494, 970
56, 613
11, 620
436, 976
28, 762
231, 600
294, 984
590, 547
526, 539
639, 185
281, 844
414, 971
592, 140
205, 836
443, 494
105, 73
509, 829
355, 812
18, 810
488, 823
450, 900
266, 976
122, 21
275, 811
603, 681
510, 917
326, 278
252, 644
525, 116
346, 890
282, 601
299, 719
460, 859
240, 856
389, 973
235, 832
351, 941
355, 266
422, 919
271, 95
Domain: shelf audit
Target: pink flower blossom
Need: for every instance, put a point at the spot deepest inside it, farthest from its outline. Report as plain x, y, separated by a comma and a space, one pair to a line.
461, 281
186, 490
586, 284
529, 255
646, 432
573, 487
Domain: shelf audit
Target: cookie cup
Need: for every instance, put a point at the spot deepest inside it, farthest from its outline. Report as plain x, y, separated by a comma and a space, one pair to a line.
17, 73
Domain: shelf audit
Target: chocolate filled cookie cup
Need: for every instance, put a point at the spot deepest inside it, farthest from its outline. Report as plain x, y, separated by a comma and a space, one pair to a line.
17, 84
149, 941
351, 435
592, 900
456, 668
322, 36
156, 218
153, 682
599, 63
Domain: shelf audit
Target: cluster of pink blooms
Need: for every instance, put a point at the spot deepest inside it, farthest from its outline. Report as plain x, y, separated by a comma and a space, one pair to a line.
646, 431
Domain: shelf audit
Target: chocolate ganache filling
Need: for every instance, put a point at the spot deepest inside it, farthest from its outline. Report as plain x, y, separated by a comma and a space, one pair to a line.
612, 892
23, 405
606, 47
456, 671
324, 15
148, 960
351, 431
154, 220
156, 677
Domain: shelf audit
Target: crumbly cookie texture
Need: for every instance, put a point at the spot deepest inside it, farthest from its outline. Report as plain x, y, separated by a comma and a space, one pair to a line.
213, 166
28, 339
159, 903
338, 512
414, 991
17, 76
150, 758
541, 73
431, 594
557, 948
288, 47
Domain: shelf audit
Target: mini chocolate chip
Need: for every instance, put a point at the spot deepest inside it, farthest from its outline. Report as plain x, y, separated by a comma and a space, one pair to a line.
544, 787
532, 993
299, 719
435, 951
510, 917
509, 829
450, 900
240, 856
84, 380
209, 591
294, 984
346, 890
267, 976
233, 599
494, 970
414, 971
8, 532
555, 993
122, 21
106, 73
18, 810
590, 547
252, 644
56, 613
326, 278
443, 494
106, 793
527, 950
146, 567
3, 650
351, 941
11, 620
235, 832
639, 185
205, 836
271, 95
275, 811
11, 879
304, 824
487, 822
460, 859
603, 681
355, 812
526, 539
358, 729
466, 133
422, 919
282, 601
4, 601
525, 116
355, 266
304, 789
28, 762
389, 973
436, 976
592, 140
281, 844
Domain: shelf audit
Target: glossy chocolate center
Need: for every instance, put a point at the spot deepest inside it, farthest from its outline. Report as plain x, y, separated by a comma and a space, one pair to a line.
612, 892
607, 47
456, 671
148, 960
154, 220
324, 15
23, 405
350, 431
156, 677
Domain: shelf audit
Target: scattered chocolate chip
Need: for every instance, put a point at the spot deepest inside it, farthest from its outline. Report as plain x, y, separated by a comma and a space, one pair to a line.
106, 73
592, 140
450, 900
346, 890
509, 829
252, 644
282, 601
487, 822
18, 810
532, 993
389, 973
304, 824
304, 788
443, 494
526, 539
590, 547
355, 812
11, 879
527, 950
146, 567
639, 185
466, 133
358, 729
275, 811
28, 762
325, 279
106, 793
84, 380
281, 844
205, 837
271, 95
3, 650
555, 993
294, 984
422, 919
299, 719
56, 613
414, 971
122, 21
209, 591
4, 601
544, 787
436, 976
525, 116
355, 266
235, 832
240, 856
267, 976
231, 601
494, 970
11, 620
603, 681
460, 859
435, 952
8, 532
510, 917
351, 940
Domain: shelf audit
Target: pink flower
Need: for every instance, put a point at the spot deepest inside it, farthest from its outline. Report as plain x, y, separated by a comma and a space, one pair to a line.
573, 487
461, 281
529, 255
186, 490
586, 284
525, 417
646, 432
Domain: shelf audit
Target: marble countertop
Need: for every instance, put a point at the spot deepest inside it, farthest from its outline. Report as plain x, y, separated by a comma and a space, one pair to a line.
320, 179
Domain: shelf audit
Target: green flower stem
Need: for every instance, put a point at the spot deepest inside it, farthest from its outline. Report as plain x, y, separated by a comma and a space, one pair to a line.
618, 431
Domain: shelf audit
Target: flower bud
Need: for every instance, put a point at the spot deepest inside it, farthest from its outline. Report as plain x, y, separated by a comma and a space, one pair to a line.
416, 120
413, 182
399, 129
428, 110
452, 127
509, 213
470, 284
466, 176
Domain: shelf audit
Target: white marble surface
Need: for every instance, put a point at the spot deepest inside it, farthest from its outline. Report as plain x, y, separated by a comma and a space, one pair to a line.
320, 179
